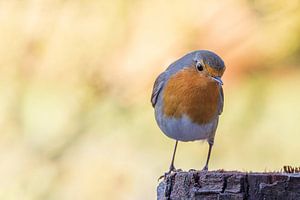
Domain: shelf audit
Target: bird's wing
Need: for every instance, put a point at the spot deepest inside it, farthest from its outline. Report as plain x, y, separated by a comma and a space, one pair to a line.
159, 82
221, 102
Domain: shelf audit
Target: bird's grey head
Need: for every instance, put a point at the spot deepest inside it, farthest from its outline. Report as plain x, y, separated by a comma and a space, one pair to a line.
204, 61
209, 63
210, 59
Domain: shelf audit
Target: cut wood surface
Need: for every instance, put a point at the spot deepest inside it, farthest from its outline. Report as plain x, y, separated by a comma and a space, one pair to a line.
229, 185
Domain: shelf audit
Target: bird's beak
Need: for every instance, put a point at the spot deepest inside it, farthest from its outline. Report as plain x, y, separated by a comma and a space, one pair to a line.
218, 79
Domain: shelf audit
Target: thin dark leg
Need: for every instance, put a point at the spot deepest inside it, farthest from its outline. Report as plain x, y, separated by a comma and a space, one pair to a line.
208, 156
172, 168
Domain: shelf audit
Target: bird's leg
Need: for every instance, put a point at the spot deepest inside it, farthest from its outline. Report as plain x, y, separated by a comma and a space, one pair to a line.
208, 156
172, 168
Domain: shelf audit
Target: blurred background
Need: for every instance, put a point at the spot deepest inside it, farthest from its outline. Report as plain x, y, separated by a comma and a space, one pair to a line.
76, 78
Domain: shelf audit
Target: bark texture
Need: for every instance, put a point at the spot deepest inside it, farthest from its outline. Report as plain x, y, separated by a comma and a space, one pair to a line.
225, 185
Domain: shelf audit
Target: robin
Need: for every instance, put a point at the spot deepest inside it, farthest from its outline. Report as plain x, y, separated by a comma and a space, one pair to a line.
188, 99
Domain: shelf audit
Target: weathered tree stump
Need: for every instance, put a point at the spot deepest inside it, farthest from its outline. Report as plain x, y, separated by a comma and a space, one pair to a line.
229, 185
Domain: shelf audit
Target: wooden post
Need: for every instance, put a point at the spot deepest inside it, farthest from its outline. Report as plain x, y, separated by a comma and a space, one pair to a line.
229, 185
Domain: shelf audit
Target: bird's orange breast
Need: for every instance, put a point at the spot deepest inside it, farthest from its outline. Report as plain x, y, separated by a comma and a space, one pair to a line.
191, 93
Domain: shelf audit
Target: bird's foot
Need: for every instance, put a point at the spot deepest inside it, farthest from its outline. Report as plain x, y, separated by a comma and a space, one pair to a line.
171, 170
205, 168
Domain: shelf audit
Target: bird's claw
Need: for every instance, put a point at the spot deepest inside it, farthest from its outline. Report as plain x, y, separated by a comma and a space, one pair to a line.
205, 168
163, 176
169, 172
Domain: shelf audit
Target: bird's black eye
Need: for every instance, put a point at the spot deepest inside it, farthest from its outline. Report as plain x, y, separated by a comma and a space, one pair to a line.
199, 66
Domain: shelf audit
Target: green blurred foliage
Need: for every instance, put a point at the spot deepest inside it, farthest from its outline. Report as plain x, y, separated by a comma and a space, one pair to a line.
76, 77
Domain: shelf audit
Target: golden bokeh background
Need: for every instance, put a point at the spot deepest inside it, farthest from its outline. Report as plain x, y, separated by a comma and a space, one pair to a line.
76, 78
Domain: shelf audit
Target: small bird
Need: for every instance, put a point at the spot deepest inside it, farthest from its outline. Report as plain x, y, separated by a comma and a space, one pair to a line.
188, 99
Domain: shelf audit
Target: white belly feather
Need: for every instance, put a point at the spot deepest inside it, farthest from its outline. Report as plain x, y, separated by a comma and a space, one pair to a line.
183, 129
